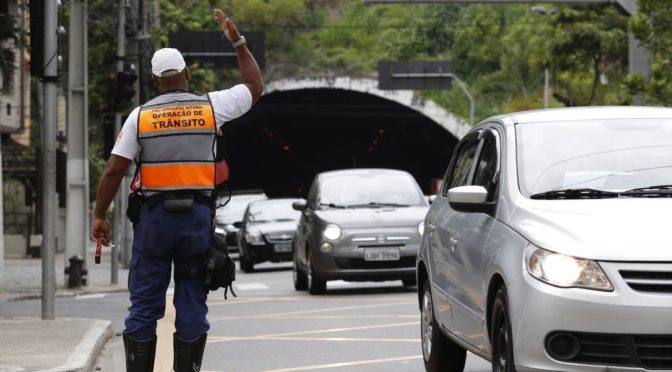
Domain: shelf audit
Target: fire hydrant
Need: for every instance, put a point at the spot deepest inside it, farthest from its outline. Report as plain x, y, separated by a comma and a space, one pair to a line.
76, 272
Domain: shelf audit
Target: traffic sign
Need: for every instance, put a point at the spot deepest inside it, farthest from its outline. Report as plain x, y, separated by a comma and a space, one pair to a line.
213, 47
414, 75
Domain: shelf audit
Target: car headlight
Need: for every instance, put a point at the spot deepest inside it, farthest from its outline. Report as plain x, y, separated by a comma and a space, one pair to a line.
421, 228
565, 271
332, 231
253, 238
220, 231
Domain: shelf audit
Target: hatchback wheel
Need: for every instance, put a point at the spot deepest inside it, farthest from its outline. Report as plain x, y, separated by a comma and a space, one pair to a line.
438, 351
246, 264
315, 284
300, 278
500, 335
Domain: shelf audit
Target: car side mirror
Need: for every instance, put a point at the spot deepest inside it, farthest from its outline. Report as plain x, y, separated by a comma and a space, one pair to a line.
470, 199
238, 224
299, 205
431, 199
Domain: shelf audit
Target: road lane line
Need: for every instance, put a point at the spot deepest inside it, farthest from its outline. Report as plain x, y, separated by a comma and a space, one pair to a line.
251, 287
341, 339
318, 310
287, 317
163, 360
346, 364
92, 296
316, 331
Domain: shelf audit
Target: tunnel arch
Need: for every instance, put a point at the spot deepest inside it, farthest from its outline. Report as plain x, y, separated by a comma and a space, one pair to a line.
301, 127
408, 98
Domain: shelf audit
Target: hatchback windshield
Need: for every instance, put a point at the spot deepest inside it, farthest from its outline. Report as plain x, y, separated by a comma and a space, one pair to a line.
234, 210
372, 189
273, 211
611, 155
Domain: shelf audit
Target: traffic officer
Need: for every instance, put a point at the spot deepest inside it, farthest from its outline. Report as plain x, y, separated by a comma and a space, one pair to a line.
172, 138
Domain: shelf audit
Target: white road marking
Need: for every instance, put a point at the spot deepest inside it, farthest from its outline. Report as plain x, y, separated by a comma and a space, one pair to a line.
346, 364
90, 296
251, 287
316, 331
314, 311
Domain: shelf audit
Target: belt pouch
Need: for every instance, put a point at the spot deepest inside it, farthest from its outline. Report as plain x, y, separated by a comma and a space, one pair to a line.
178, 203
133, 209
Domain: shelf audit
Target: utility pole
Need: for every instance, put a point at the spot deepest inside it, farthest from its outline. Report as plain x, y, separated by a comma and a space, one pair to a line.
117, 222
49, 79
77, 213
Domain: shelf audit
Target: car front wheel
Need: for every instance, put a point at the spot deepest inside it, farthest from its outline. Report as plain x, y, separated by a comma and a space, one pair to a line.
300, 278
438, 351
246, 263
500, 335
315, 284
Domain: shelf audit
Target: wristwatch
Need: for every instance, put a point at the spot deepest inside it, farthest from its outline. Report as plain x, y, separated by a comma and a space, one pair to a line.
240, 42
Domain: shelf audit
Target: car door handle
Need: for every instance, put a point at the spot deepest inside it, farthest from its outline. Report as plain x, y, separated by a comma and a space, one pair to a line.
452, 244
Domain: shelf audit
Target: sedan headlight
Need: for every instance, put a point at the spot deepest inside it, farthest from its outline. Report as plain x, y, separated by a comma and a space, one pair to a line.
421, 228
253, 238
332, 231
220, 231
565, 271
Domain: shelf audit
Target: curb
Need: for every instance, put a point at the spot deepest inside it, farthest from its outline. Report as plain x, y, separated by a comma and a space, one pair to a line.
18, 296
84, 356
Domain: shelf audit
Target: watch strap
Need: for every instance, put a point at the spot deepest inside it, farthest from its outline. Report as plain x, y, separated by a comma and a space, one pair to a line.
239, 42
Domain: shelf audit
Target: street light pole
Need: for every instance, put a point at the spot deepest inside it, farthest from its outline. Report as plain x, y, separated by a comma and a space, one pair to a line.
472, 104
546, 12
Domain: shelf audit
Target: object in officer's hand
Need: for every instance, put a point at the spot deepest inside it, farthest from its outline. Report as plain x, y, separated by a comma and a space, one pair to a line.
98, 248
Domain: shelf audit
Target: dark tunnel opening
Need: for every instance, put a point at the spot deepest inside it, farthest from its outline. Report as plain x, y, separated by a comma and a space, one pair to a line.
290, 136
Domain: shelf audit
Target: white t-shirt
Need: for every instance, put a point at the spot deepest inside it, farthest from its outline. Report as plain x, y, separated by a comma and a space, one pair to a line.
228, 104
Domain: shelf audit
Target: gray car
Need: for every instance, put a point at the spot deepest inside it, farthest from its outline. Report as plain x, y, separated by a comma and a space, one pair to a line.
266, 232
548, 247
358, 225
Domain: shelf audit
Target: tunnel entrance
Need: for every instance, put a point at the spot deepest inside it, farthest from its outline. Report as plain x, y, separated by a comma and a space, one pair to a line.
289, 136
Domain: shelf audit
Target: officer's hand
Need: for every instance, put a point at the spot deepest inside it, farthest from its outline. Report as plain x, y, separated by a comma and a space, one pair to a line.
100, 228
229, 28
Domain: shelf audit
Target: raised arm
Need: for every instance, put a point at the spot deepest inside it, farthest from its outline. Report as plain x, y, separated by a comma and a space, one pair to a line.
249, 70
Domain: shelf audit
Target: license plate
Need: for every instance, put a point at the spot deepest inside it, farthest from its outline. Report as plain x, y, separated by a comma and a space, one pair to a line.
280, 248
381, 254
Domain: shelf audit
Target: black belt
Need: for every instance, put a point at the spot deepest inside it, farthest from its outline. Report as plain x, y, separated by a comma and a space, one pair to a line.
197, 196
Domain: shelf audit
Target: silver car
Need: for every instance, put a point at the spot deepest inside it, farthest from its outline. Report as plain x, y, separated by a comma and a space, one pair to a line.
548, 247
358, 225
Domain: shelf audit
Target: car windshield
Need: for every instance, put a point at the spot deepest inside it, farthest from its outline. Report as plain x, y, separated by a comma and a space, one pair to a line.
234, 210
603, 155
273, 211
370, 189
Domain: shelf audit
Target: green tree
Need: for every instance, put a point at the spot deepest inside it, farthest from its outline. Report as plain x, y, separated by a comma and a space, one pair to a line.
9, 37
589, 46
652, 25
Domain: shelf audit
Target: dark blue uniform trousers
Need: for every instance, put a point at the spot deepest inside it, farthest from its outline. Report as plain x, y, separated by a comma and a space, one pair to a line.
162, 238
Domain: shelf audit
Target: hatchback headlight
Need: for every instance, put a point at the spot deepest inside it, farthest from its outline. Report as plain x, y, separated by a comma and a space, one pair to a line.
253, 238
421, 228
220, 231
332, 231
565, 271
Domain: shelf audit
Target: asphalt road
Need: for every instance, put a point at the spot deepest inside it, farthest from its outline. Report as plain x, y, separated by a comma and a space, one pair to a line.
271, 327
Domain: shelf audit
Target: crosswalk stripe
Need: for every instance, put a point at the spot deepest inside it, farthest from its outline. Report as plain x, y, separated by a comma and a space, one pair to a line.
90, 296
251, 286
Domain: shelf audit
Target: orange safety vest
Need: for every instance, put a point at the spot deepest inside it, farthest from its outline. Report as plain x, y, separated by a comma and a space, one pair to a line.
177, 135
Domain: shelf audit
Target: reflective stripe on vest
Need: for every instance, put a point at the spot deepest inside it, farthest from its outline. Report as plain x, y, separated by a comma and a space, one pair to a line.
176, 133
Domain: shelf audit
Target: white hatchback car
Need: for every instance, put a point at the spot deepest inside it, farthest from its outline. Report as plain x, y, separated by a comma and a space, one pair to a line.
549, 247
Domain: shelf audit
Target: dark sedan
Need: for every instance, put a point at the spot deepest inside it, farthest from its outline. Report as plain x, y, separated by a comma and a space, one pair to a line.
266, 232
358, 225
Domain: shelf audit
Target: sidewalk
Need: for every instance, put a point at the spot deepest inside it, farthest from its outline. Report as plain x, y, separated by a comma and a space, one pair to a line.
62, 344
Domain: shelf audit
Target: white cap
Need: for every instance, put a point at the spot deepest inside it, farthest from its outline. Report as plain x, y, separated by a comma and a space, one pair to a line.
167, 62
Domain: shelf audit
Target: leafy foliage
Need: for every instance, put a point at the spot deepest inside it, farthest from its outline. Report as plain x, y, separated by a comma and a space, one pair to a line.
9, 37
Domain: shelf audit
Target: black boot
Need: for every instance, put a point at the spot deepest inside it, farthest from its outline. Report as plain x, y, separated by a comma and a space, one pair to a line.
188, 355
139, 354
